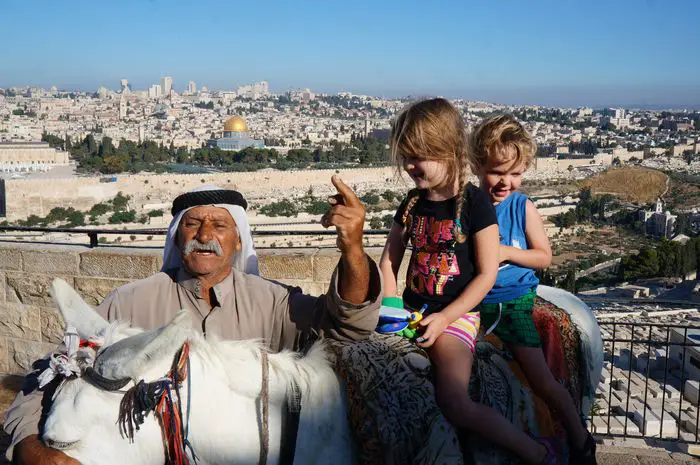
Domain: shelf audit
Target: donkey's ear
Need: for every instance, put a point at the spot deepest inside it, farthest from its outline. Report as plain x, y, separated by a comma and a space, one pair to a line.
128, 357
76, 313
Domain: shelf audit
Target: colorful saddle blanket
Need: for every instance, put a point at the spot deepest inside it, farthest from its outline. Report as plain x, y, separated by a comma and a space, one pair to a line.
391, 398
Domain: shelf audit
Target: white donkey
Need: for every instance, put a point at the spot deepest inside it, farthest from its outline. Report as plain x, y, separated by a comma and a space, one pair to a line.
225, 422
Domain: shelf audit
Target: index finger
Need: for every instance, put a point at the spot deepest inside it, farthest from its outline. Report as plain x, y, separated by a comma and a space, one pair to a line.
349, 197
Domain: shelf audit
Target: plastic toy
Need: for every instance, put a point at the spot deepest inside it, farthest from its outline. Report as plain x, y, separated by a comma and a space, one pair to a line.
394, 319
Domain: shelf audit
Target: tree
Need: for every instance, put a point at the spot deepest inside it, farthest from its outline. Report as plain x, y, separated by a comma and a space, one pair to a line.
569, 282
370, 198
106, 147
113, 164
76, 218
91, 144
376, 223
120, 201
52, 140
389, 196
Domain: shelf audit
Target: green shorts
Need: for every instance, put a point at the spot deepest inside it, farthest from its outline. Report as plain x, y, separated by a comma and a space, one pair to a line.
515, 325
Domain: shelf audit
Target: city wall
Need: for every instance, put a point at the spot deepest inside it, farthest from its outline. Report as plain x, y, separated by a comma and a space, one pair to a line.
148, 191
38, 196
30, 325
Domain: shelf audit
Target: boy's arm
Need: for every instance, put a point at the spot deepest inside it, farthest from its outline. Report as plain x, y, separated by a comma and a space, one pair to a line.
486, 264
538, 255
391, 259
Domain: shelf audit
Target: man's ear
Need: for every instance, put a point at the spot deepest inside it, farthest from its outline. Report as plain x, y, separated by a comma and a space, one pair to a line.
239, 244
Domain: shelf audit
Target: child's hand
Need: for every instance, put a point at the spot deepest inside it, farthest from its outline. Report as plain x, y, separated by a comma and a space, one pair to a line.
434, 325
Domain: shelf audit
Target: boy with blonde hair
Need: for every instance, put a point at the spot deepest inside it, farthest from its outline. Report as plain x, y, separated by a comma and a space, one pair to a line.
501, 151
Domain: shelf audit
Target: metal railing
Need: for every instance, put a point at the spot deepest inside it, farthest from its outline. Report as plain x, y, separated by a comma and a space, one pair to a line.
94, 234
644, 391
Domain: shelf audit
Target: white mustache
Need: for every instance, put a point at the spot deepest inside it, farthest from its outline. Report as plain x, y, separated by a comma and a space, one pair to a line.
211, 246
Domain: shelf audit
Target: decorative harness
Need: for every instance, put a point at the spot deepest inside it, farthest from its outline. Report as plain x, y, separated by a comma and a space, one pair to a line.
163, 397
157, 396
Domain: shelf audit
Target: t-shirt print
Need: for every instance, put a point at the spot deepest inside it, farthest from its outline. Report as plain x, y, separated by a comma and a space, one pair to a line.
434, 263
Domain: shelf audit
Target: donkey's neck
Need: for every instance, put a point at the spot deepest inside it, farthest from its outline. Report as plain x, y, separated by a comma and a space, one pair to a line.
226, 416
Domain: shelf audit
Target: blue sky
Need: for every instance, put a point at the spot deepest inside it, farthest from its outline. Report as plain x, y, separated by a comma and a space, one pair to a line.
565, 52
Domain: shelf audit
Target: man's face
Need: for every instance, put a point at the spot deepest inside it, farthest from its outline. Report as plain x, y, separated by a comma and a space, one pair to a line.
207, 238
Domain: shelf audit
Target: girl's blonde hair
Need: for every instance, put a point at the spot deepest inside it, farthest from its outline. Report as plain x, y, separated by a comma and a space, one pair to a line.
496, 136
432, 130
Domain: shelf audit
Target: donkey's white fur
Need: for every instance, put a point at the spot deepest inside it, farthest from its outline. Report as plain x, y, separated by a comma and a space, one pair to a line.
225, 409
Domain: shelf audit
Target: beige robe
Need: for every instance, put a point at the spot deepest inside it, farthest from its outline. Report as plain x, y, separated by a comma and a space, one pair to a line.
243, 307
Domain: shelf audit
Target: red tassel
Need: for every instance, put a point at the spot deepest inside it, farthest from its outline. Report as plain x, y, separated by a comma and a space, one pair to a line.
169, 415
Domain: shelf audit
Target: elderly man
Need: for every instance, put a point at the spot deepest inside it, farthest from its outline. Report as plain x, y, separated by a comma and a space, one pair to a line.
210, 267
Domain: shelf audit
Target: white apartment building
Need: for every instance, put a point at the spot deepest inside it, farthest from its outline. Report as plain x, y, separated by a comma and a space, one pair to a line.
166, 83
155, 91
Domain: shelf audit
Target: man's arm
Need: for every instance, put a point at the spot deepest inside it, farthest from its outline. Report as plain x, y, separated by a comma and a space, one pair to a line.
350, 308
31, 451
347, 214
22, 423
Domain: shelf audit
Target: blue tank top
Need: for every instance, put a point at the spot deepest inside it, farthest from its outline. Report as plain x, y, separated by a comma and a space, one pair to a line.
513, 281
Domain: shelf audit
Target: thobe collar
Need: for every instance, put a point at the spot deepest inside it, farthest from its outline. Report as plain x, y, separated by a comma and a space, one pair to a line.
194, 285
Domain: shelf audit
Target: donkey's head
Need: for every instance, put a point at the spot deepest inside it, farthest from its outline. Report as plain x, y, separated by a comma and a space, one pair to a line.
82, 419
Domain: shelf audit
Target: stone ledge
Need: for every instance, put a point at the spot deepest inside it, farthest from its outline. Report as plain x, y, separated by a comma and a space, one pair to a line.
117, 264
31, 289
287, 265
94, 289
10, 259
45, 261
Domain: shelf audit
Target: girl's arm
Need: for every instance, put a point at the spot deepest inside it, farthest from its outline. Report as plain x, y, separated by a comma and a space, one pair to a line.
538, 254
391, 259
486, 268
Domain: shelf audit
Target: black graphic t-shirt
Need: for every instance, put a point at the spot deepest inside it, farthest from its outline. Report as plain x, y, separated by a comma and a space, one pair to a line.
440, 267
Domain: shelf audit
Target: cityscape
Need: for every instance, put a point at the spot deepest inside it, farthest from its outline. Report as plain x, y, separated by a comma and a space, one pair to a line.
98, 158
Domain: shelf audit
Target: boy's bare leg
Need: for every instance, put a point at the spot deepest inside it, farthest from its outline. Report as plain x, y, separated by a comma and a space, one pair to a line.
543, 384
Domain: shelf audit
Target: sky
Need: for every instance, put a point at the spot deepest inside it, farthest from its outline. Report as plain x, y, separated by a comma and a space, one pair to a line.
559, 52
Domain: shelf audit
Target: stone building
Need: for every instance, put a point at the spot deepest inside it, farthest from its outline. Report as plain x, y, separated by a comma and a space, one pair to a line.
658, 223
29, 156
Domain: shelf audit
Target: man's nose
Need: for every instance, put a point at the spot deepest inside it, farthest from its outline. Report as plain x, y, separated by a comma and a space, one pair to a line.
205, 233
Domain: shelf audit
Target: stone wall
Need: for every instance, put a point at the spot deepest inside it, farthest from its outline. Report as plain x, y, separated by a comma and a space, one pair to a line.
30, 325
38, 196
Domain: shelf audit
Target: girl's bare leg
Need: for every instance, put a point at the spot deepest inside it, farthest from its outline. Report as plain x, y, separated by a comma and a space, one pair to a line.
452, 362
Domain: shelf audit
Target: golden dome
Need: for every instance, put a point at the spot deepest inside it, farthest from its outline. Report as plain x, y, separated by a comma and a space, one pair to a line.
236, 124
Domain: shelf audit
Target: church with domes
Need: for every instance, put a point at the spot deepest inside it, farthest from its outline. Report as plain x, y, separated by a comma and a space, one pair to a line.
236, 136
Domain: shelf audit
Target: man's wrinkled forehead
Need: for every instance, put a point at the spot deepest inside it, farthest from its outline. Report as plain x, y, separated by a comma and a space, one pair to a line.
208, 212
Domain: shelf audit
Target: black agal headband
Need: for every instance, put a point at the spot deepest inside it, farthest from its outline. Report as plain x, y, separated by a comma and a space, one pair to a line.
195, 199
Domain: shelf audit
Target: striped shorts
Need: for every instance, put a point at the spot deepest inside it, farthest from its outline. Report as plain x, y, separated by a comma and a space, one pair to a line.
466, 329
